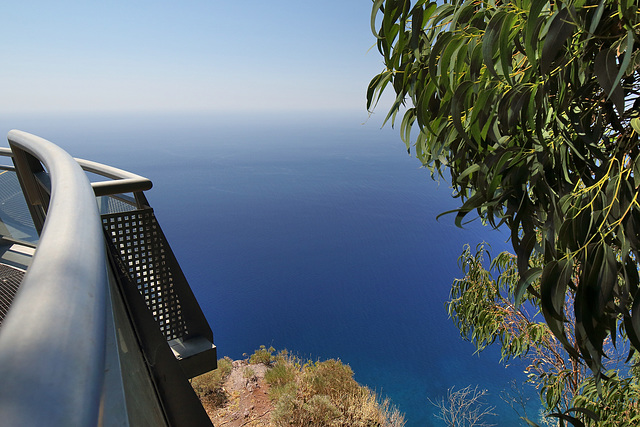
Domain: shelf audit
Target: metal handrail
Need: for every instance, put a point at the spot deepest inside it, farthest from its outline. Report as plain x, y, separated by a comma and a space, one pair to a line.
123, 181
52, 341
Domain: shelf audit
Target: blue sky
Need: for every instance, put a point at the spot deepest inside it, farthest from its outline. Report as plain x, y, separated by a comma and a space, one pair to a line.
189, 55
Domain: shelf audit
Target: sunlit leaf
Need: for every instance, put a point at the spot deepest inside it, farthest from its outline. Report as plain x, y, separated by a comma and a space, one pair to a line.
374, 13
531, 35
526, 280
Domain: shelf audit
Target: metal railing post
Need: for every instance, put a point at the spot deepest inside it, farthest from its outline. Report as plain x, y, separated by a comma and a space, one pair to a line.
37, 198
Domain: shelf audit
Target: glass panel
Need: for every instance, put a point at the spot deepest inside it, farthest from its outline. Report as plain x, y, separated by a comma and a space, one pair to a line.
15, 219
116, 203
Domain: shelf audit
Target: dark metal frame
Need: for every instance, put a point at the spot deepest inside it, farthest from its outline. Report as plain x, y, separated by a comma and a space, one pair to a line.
79, 344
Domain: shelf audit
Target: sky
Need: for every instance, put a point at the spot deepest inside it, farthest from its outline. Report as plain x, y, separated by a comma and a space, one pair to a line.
187, 55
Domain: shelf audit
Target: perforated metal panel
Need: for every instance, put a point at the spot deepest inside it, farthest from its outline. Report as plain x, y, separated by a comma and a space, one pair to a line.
146, 255
10, 279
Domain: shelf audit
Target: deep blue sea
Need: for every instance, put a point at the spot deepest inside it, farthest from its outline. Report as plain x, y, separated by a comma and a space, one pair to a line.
311, 232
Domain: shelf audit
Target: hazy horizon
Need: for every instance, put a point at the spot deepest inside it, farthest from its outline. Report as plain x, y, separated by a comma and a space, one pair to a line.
200, 56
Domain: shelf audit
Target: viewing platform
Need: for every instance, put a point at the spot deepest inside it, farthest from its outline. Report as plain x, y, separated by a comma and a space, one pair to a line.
98, 325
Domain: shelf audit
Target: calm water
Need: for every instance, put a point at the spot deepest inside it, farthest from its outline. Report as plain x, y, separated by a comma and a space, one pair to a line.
317, 234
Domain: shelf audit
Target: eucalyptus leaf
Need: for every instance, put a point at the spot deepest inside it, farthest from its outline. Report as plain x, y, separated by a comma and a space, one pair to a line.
606, 69
531, 110
560, 29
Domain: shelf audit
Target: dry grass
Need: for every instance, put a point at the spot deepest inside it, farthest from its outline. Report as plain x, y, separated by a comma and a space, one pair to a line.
208, 386
324, 393
305, 394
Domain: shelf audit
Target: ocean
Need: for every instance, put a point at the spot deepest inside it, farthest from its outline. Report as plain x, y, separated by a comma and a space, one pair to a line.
312, 232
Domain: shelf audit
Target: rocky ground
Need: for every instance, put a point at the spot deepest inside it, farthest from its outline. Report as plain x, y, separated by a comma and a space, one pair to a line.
248, 403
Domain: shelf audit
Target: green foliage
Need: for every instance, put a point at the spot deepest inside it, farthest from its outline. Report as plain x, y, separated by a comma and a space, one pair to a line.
319, 410
263, 355
282, 376
208, 386
330, 377
532, 107
484, 310
284, 396
323, 393
616, 402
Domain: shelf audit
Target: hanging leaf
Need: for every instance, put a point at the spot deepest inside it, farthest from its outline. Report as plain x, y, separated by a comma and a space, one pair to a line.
531, 30
376, 88
596, 18
554, 281
606, 71
526, 280
589, 413
459, 107
435, 54
632, 323
522, 106
561, 28
489, 41
564, 417
626, 60
377, 4
505, 45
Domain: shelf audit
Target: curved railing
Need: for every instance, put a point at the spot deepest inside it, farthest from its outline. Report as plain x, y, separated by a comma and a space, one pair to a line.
52, 341
121, 181
104, 328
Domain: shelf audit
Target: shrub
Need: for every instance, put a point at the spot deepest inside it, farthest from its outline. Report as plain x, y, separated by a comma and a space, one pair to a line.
262, 355
324, 393
285, 408
283, 392
281, 376
320, 410
616, 400
331, 377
